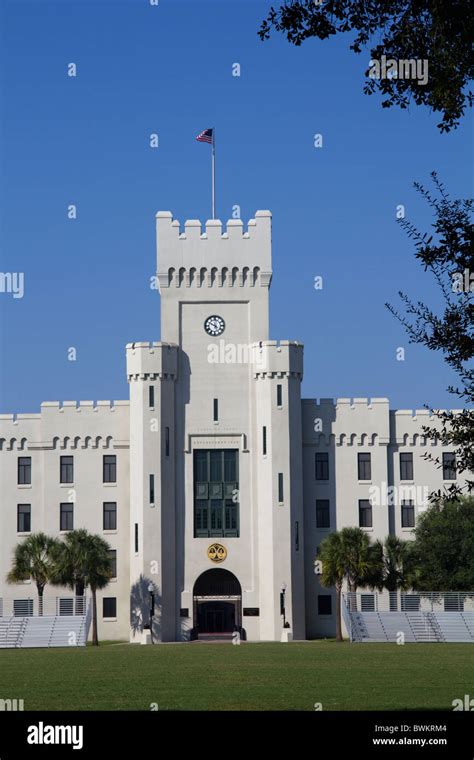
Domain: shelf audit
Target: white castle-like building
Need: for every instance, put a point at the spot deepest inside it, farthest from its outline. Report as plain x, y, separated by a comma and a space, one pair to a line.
215, 483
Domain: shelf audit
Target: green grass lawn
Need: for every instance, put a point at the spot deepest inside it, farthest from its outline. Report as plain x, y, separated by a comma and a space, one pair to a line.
247, 677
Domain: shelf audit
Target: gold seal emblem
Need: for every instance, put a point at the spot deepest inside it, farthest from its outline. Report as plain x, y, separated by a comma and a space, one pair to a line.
217, 553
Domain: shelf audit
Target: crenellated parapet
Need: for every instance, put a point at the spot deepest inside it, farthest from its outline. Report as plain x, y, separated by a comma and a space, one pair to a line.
346, 422
67, 425
406, 426
152, 361
198, 257
277, 359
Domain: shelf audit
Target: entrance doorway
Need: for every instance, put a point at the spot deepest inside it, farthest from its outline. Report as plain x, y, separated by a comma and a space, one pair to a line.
217, 605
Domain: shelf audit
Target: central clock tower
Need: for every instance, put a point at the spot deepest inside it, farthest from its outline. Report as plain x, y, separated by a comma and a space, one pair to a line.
224, 450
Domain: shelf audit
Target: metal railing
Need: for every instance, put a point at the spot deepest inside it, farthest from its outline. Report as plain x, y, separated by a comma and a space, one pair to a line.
415, 617
412, 601
49, 607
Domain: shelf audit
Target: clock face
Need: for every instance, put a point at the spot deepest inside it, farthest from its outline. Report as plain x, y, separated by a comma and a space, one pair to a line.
214, 325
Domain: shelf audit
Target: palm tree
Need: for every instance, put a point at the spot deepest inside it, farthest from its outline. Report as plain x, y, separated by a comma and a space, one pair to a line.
332, 556
34, 558
84, 561
360, 560
392, 572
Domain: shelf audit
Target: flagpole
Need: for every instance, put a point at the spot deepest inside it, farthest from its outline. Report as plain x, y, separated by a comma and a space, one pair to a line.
213, 173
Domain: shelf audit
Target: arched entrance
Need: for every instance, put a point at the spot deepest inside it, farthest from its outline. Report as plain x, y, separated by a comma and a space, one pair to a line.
217, 598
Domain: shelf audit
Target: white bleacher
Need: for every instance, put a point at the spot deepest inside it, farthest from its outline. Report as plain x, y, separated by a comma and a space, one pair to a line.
47, 630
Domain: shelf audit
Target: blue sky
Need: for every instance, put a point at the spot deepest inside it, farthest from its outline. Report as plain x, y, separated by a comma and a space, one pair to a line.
168, 70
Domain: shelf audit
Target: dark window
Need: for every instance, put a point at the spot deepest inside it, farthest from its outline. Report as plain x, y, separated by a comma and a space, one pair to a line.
110, 515
297, 536
363, 463
113, 562
449, 466
453, 603
66, 469
23, 518
321, 461
22, 607
152, 489
406, 466
281, 493
24, 471
367, 603
279, 395
66, 516
324, 604
167, 441
408, 514
251, 611
365, 513
216, 491
216, 410
66, 606
264, 440
109, 607
322, 513
410, 602
136, 538
110, 468
151, 396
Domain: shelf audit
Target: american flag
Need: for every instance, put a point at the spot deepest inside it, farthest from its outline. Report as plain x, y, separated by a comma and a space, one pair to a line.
207, 136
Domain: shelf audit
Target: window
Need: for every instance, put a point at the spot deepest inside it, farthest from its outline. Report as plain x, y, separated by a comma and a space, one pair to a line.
66, 516
110, 515
322, 513
408, 514
363, 463
410, 602
367, 603
297, 536
365, 513
167, 441
281, 492
109, 607
324, 604
216, 489
449, 466
23, 518
66, 469
136, 538
22, 607
151, 396
24, 471
66, 606
279, 395
406, 466
110, 468
152, 489
453, 603
321, 462
113, 562
216, 410
264, 440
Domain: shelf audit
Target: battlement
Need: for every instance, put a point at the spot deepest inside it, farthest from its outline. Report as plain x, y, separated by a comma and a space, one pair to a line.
406, 425
70, 424
231, 257
347, 421
152, 361
278, 358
